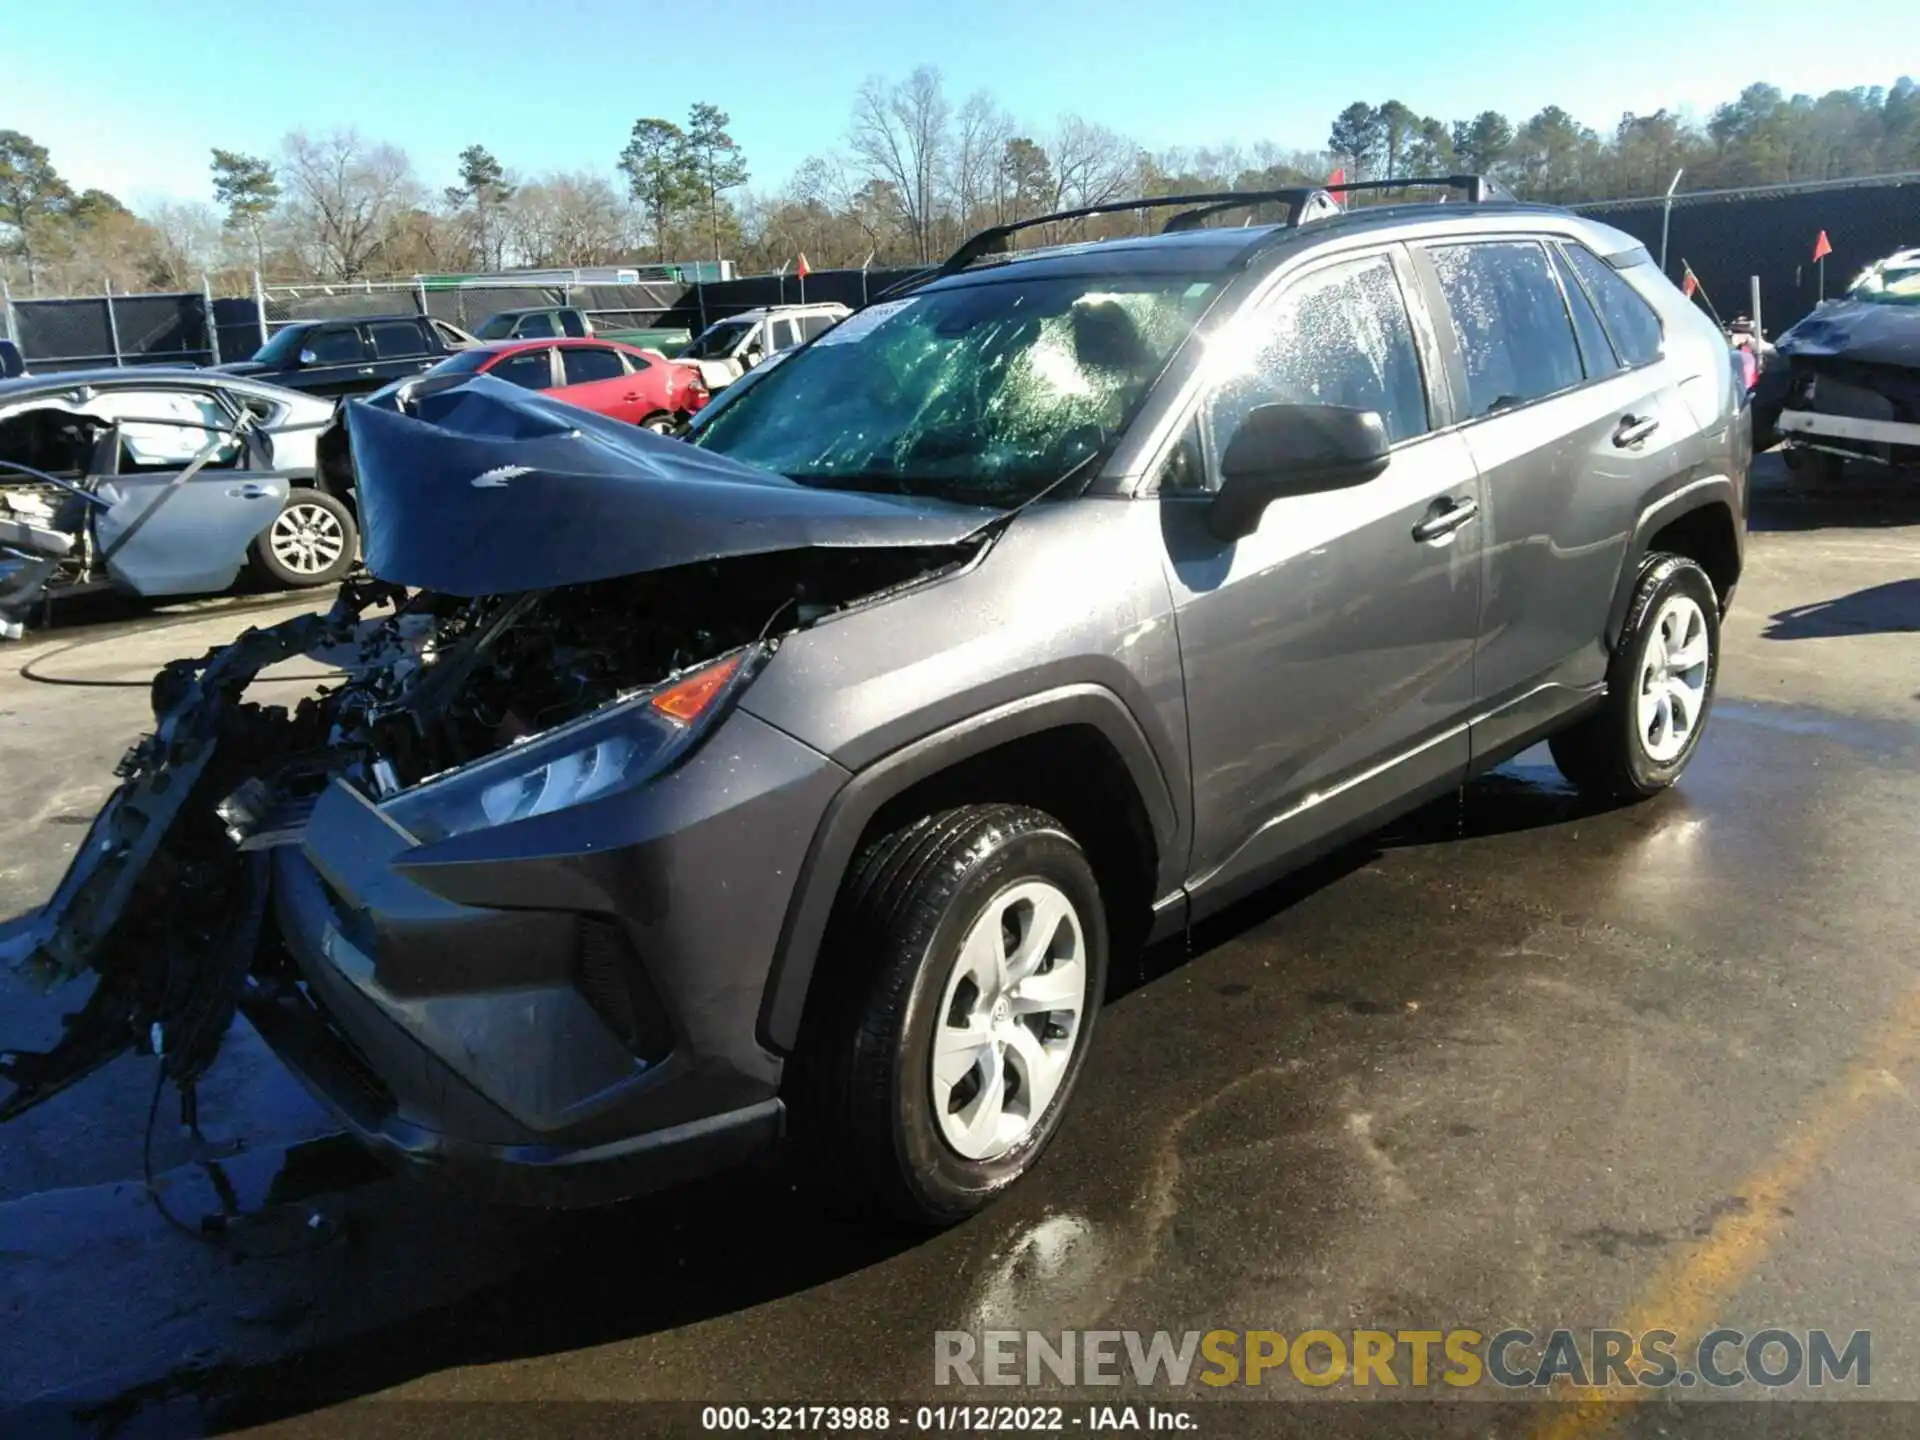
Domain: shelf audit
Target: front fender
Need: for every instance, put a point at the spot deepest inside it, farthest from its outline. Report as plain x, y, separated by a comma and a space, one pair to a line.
847, 817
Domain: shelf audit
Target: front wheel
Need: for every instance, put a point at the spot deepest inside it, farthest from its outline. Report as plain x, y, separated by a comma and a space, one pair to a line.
1659, 688
956, 1000
312, 541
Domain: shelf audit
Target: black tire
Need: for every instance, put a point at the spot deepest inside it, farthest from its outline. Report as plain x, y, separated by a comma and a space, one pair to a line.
1607, 753
660, 424
862, 1097
1815, 467
273, 570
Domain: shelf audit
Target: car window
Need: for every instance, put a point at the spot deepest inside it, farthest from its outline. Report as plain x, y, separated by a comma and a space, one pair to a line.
1630, 320
530, 368
1340, 336
535, 327
338, 346
448, 335
991, 391
635, 363
1184, 470
812, 325
572, 324
396, 339
1515, 336
583, 364
786, 334
1596, 351
200, 419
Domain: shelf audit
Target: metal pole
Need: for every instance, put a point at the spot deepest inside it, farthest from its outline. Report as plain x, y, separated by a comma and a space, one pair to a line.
420, 294
113, 327
213, 330
1666, 216
1759, 333
6, 300
260, 306
700, 298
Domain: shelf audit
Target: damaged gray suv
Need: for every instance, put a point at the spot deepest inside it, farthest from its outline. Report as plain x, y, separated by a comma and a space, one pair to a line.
800, 782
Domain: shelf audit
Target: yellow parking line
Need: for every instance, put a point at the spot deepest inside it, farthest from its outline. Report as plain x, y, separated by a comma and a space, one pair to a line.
1686, 1294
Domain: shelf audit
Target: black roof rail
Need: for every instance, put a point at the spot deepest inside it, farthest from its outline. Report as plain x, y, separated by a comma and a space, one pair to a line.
1476, 188
1303, 202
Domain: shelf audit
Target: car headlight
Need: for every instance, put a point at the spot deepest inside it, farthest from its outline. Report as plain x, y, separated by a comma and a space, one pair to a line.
616, 748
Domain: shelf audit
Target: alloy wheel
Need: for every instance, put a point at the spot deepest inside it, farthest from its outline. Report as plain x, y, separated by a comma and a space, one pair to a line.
1673, 679
307, 539
1009, 1020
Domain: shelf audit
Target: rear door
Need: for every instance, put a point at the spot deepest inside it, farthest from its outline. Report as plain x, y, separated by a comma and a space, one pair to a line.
1328, 655
1567, 440
593, 377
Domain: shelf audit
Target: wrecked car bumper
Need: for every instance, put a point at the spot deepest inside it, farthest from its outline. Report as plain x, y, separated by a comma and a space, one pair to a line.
564, 1026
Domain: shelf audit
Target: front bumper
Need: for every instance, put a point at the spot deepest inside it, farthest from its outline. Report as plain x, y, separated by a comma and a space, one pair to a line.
553, 1013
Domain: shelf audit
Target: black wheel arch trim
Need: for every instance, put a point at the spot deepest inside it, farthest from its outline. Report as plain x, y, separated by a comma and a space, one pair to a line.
1715, 490
848, 815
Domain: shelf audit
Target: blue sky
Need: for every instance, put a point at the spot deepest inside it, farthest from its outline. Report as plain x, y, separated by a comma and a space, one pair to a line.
130, 94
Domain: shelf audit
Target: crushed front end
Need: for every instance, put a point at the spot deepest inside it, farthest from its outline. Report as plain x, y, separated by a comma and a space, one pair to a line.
507, 894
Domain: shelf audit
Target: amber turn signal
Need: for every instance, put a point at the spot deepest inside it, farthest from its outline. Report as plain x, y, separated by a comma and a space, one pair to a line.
686, 700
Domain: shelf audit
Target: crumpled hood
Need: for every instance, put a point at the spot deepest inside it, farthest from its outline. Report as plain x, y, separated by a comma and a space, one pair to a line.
485, 488
1863, 330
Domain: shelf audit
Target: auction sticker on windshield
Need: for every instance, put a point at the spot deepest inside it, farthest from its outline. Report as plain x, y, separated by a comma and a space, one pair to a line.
864, 322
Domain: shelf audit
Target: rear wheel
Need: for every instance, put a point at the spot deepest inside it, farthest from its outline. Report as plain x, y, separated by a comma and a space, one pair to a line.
661, 424
312, 541
1659, 688
956, 1001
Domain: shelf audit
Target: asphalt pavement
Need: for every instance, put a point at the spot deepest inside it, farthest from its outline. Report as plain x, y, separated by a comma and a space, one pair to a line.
1513, 1063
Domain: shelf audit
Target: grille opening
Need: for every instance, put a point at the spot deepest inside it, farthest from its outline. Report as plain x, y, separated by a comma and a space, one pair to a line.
608, 973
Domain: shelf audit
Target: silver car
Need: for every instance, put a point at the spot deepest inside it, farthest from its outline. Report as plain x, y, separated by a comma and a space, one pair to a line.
162, 482
799, 783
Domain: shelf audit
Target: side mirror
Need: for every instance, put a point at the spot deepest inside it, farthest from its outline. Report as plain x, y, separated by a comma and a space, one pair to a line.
307, 357
1283, 450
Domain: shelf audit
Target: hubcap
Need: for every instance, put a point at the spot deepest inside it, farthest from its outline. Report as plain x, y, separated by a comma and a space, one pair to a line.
1673, 679
1009, 1020
307, 539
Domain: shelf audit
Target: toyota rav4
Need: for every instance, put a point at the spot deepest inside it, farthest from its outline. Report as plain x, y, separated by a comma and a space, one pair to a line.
801, 781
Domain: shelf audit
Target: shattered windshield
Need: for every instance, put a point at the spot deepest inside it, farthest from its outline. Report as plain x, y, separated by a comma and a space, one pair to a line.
1889, 283
984, 392
719, 341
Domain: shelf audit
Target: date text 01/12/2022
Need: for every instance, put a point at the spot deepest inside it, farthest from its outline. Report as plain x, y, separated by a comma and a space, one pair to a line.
950, 1419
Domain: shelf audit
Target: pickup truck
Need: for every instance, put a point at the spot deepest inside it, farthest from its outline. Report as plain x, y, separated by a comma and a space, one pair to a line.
571, 322
350, 357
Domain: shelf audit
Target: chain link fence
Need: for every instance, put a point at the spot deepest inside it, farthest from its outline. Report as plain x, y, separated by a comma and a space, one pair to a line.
83, 332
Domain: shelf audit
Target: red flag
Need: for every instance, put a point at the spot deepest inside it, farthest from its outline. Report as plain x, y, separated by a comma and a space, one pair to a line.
1688, 284
803, 269
1338, 177
1822, 247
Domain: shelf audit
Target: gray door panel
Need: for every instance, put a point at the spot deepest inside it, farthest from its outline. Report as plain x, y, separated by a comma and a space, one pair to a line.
1332, 645
195, 539
1561, 500
1325, 644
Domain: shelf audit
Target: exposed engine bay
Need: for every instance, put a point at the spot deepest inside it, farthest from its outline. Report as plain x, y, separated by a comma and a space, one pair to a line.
166, 898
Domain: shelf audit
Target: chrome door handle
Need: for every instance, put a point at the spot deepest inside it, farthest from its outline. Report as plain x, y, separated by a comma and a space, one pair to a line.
366, 369
251, 492
1445, 522
1633, 430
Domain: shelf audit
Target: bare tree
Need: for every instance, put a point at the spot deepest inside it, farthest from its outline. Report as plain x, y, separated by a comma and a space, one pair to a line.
186, 243
566, 220
900, 136
348, 191
975, 186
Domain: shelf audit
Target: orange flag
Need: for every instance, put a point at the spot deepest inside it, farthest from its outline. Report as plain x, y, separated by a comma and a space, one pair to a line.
1822, 247
803, 269
1688, 284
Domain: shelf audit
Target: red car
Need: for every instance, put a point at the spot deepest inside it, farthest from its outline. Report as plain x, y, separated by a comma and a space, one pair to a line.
639, 386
